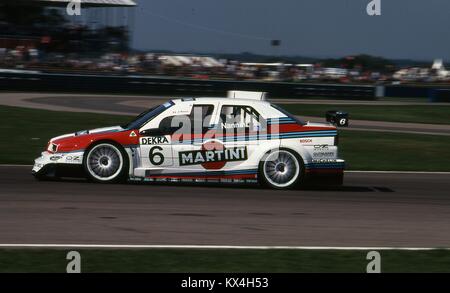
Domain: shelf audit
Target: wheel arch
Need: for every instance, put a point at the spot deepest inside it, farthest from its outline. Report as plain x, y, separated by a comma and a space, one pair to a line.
93, 143
286, 148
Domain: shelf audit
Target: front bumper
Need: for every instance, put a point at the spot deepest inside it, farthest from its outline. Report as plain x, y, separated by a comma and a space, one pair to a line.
41, 162
58, 165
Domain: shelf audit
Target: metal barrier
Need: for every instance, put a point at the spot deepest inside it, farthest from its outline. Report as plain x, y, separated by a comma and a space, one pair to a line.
23, 81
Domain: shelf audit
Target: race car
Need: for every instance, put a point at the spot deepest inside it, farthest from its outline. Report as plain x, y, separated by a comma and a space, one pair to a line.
240, 138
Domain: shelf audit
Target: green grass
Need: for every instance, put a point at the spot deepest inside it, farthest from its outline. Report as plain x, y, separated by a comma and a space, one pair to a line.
394, 151
190, 261
24, 133
406, 113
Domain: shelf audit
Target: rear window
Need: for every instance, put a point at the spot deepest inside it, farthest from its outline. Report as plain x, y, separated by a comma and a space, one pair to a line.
298, 120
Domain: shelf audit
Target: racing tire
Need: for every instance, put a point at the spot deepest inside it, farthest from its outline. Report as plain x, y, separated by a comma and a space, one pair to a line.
281, 169
106, 162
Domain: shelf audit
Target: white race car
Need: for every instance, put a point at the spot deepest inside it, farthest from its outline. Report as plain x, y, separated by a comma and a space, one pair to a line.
242, 138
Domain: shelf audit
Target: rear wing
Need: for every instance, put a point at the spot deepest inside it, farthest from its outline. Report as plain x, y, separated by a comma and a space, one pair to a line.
259, 96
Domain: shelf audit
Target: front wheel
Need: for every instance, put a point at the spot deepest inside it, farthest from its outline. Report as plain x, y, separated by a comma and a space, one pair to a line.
105, 163
280, 169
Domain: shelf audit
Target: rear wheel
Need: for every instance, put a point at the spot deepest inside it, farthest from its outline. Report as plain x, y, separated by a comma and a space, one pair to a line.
280, 169
106, 163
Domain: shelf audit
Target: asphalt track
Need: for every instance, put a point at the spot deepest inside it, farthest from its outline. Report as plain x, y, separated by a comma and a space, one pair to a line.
132, 105
385, 209
372, 209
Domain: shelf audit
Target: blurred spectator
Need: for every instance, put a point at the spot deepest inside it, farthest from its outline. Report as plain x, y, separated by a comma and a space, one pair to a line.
204, 67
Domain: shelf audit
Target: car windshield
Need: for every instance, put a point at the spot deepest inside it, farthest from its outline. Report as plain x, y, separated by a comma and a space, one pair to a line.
299, 121
146, 116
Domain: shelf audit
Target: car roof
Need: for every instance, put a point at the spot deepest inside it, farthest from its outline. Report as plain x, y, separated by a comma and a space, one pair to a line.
221, 99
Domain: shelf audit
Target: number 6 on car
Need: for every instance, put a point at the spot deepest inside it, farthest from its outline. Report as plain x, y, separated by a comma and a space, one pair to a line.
242, 138
155, 150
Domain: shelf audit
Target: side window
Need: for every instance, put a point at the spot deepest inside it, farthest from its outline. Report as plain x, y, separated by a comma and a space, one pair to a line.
241, 117
171, 124
197, 122
200, 118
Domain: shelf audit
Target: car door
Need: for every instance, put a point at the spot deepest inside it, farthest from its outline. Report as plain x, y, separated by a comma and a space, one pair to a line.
155, 140
241, 133
171, 141
189, 144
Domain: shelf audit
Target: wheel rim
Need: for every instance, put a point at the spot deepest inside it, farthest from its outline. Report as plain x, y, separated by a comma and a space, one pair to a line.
281, 168
104, 162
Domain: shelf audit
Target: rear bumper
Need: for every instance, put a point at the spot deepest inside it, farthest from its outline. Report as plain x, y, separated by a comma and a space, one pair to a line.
329, 172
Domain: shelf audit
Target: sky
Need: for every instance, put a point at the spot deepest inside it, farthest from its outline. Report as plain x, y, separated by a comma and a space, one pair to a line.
407, 29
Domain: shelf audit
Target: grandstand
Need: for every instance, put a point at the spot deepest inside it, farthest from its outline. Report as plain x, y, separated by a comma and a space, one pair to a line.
89, 3
104, 25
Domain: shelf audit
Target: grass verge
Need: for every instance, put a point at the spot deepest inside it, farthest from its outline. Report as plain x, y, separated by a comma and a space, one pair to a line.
24, 133
201, 260
394, 151
406, 113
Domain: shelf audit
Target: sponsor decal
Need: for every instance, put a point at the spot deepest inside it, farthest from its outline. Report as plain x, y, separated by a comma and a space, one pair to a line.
198, 180
320, 147
323, 161
323, 154
154, 140
133, 134
213, 156
234, 125
256, 126
308, 140
55, 158
73, 159
322, 151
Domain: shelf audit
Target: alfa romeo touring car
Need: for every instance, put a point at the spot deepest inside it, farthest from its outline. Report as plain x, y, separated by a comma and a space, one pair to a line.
241, 138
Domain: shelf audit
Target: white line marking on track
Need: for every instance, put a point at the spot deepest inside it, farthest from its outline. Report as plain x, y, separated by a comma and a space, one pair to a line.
121, 246
12, 165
